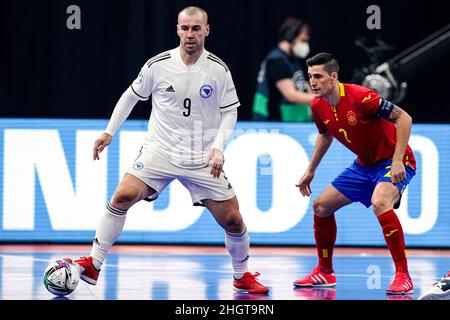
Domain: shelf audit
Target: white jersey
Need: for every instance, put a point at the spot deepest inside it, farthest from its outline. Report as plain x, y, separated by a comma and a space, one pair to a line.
187, 102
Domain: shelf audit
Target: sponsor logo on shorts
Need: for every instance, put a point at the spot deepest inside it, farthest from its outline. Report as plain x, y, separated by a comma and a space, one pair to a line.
206, 91
138, 166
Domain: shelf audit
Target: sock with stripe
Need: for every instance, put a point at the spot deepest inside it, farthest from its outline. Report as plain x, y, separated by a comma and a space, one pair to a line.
395, 240
109, 229
238, 245
325, 231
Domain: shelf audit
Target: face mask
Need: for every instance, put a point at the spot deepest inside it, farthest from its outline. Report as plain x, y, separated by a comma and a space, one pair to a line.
301, 49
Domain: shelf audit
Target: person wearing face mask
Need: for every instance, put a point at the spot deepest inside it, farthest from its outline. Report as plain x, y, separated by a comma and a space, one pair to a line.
283, 93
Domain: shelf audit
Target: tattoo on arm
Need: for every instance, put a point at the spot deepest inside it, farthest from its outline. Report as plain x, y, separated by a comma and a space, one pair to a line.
395, 113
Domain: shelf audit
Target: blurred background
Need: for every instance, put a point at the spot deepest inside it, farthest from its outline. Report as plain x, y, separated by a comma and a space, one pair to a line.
47, 70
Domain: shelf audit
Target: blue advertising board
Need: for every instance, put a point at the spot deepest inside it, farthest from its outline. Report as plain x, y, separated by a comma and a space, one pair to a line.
52, 191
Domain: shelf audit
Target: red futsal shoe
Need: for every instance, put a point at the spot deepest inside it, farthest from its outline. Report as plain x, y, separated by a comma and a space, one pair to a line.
88, 273
402, 284
249, 284
317, 279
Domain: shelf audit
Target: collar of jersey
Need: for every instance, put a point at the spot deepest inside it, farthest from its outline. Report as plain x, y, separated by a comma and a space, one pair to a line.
341, 89
199, 60
341, 94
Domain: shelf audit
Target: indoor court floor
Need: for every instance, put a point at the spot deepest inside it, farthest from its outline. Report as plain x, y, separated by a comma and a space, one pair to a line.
149, 272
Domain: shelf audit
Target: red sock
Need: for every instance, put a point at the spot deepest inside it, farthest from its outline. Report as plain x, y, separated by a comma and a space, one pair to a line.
393, 234
325, 234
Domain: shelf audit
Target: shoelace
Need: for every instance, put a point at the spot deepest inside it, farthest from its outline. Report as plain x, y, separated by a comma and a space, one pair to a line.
316, 270
400, 278
255, 282
255, 275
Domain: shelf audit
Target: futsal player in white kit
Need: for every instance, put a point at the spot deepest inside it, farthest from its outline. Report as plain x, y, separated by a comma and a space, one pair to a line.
194, 110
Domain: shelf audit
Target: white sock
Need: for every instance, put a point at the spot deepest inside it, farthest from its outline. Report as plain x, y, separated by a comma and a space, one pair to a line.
238, 245
109, 229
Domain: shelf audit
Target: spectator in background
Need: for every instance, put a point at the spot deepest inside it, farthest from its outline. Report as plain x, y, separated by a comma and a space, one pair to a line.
283, 92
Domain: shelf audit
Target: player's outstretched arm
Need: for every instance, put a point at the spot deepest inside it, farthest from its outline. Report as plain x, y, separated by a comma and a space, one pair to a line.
121, 112
323, 142
404, 123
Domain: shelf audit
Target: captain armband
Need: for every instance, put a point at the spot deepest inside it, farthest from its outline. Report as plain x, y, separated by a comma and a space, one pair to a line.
385, 109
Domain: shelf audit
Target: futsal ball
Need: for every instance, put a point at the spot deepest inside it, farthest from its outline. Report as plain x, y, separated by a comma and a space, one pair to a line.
61, 277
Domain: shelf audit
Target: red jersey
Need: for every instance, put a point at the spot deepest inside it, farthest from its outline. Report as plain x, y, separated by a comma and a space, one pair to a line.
355, 123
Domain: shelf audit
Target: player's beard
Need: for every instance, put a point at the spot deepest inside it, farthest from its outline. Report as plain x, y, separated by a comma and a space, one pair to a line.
193, 49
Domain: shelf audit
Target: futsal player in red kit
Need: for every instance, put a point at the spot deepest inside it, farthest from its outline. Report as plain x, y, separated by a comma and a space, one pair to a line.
377, 131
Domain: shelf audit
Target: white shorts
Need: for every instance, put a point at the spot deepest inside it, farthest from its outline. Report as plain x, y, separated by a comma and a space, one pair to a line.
155, 170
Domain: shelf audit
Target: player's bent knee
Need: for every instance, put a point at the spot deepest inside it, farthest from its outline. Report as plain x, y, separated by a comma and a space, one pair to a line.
234, 223
126, 196
380, 205
320, 209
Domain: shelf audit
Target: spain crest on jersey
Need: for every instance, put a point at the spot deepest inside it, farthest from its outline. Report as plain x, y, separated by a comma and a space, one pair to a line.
351, 118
